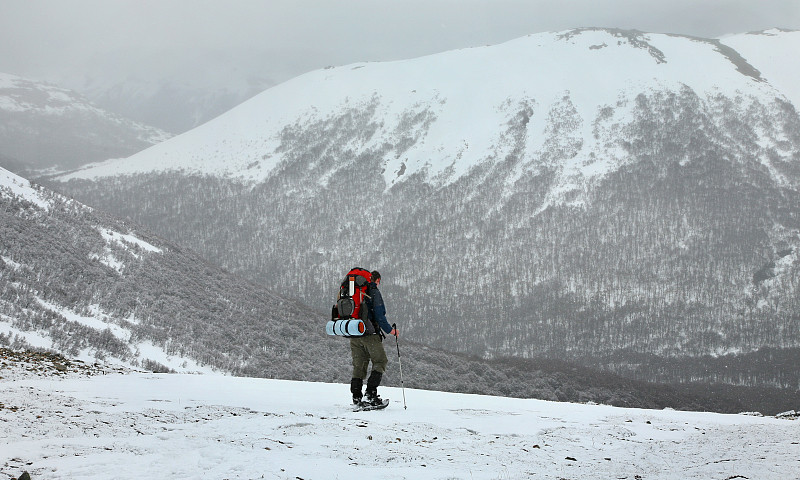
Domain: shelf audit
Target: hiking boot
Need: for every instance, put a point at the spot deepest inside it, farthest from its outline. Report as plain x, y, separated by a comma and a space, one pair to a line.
373, 399
355, 388
373, 382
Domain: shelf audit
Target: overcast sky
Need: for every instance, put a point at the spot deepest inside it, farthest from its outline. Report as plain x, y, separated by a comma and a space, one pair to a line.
47, 38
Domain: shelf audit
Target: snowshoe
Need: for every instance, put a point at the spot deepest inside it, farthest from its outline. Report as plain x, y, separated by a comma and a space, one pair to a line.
364, 406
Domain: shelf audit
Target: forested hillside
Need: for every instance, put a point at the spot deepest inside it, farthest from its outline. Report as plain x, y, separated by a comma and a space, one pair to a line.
77, 281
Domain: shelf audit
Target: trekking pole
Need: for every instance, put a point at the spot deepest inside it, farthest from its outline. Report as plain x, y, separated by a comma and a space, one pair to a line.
400, 361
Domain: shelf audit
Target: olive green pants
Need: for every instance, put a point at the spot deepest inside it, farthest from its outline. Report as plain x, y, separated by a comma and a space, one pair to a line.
364, 349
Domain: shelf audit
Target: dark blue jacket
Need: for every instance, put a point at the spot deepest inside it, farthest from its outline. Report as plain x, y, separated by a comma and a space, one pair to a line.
377, 310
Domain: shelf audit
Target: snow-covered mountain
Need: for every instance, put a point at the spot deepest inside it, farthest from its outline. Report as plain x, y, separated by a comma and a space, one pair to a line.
462, 102
132, 426
589, 194
43, 126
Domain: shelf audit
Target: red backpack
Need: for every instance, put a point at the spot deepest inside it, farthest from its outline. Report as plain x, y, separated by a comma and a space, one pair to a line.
350, 304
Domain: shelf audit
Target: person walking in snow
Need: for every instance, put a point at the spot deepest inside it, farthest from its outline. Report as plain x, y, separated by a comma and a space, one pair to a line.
369, 347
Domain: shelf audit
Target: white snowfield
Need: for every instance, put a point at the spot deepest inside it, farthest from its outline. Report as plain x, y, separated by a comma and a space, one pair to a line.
176, 426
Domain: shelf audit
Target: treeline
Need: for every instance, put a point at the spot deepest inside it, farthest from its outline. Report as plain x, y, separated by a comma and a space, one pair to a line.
740, 369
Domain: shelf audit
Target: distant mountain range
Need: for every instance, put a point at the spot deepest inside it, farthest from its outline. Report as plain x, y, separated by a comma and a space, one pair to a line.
47, 127
189, 89
623, 199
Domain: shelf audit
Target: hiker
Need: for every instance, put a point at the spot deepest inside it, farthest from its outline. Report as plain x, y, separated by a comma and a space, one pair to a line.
369, 347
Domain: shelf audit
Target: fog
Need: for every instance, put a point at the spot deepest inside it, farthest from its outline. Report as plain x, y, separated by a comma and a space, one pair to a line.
39, 35
242, 47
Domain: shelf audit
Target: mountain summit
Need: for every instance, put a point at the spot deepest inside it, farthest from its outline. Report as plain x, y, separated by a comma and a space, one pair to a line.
615, 197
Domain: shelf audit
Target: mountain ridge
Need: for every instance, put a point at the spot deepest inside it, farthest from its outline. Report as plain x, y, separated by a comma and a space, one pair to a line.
431, 82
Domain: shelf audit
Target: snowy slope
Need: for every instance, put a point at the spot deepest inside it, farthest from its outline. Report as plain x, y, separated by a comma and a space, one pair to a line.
120, 252
132, 426
776, 54
12, 185
468, 97
69, 273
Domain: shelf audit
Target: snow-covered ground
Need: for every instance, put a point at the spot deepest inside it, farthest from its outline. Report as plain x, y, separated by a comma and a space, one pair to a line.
98, 423
12, 185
